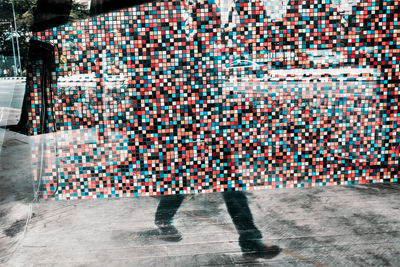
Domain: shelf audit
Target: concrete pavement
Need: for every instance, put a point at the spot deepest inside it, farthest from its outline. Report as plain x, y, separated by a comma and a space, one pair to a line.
12, 92
324, 226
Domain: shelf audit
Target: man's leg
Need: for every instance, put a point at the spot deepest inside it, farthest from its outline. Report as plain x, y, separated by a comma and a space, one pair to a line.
168, 206
238, 208
166, 210
249, 236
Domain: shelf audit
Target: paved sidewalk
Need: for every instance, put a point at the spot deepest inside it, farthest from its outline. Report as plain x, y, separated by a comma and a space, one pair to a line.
324, 226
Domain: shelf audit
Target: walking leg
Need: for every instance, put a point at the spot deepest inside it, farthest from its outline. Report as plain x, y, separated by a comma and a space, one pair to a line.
238, 208
166, 210
249, 236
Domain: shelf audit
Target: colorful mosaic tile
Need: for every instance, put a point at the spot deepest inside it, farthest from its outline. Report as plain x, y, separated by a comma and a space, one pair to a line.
179, 97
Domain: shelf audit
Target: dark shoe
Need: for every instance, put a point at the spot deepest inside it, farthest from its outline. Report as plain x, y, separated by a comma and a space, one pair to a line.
169, 233
256, 249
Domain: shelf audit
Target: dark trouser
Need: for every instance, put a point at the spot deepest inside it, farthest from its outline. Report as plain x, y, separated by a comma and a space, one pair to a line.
236, 203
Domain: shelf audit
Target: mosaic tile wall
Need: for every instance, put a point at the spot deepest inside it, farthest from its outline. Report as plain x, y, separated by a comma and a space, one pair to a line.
186, 97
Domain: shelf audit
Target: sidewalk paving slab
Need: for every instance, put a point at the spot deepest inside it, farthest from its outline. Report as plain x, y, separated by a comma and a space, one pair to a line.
324, 226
